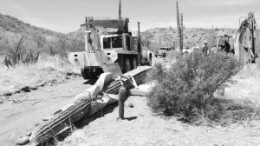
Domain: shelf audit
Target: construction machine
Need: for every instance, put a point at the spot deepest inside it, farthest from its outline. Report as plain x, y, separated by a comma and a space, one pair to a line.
222, 43
245, 40
109, 47
242, 44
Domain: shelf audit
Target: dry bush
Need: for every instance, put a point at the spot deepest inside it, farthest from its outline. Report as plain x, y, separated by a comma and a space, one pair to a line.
173, 55
187, 88
46, 69
19, 54
63, 45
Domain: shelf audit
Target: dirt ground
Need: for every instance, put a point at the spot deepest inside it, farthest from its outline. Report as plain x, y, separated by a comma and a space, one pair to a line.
21, 112
143, 127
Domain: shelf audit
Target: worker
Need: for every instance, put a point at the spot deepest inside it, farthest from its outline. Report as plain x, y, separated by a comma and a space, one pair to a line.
227, 47
205, 48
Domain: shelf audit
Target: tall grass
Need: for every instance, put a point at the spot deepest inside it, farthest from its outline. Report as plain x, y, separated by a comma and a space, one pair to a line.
46, 69
187, 88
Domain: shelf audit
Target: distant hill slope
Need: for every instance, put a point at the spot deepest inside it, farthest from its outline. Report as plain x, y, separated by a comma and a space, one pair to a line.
12, 29
12, 24
162, 37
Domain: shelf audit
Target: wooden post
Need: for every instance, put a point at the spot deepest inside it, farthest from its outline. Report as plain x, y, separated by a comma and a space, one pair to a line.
121, 101
120, 10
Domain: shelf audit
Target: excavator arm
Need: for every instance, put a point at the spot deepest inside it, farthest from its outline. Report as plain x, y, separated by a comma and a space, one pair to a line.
244, 41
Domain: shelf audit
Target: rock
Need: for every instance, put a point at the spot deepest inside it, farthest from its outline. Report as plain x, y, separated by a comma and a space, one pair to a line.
130, 105
7, 94
36, 124
69, 74
33, 88
29, 134
23, 141
40, 84
47, 118
26, 89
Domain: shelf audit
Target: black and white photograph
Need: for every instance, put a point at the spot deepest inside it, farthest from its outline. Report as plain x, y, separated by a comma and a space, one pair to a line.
129, 73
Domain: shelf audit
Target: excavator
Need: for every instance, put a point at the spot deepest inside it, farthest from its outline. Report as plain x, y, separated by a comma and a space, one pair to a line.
222, 43
109, 47
245, 40
243, 45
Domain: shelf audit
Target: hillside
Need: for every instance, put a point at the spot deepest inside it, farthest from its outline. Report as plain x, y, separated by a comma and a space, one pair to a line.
12, 24
36, 38
192, 36
166, 37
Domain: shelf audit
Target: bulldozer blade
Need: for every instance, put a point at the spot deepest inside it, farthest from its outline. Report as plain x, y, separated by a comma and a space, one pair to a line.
113, 68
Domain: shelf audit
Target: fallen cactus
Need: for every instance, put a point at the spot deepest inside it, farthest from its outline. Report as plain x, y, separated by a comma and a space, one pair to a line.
86, 103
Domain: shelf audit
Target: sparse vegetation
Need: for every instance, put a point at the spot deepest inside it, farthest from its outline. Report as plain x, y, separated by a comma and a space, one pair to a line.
47, 68
19, 54
22, 42
187, 90
193, 36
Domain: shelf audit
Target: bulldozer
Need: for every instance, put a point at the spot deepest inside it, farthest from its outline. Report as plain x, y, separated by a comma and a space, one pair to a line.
109, 47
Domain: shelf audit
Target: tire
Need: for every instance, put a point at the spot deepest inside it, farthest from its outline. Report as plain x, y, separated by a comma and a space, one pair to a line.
150, 61
83, 73
90, 74
134, 63
127, 64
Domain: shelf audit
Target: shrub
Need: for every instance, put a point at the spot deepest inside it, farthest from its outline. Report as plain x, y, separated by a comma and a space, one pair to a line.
187, 88
19, 54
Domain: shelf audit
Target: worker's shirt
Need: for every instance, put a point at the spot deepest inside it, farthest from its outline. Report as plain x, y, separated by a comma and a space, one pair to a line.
204, 48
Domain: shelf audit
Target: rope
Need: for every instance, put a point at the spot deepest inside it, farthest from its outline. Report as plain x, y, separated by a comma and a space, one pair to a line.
130, 78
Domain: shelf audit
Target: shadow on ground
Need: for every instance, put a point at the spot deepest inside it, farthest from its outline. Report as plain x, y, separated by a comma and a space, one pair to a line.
90, 81
83, 122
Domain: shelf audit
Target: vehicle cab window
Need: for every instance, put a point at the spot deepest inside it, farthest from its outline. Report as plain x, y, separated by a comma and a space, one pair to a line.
106, 43
117, 42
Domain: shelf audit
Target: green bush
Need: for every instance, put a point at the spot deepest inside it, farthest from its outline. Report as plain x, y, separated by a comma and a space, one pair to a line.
187, 88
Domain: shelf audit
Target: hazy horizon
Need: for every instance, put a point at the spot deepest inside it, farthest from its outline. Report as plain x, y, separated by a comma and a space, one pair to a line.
66, 15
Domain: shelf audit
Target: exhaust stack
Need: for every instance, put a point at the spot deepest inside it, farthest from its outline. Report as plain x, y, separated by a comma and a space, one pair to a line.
120, 10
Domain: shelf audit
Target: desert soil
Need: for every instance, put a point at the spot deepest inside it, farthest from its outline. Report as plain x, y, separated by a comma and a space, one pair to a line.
21, 112
143, 127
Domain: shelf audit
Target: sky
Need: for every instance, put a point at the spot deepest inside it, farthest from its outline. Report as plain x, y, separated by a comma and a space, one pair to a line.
66, 15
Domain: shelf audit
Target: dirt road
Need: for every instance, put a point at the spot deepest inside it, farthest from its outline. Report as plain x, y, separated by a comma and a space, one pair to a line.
21, 112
